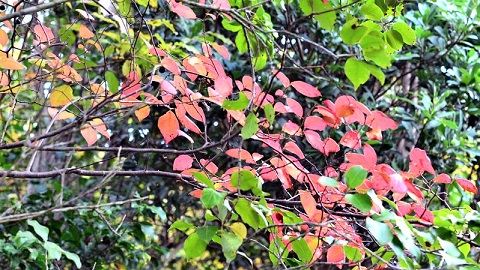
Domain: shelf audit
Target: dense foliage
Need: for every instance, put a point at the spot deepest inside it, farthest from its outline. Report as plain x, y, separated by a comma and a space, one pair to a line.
146, 134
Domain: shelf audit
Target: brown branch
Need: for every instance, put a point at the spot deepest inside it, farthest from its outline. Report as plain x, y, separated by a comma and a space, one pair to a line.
33, 9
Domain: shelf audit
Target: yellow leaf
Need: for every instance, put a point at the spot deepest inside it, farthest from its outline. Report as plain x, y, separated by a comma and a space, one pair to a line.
61, 96
239, 229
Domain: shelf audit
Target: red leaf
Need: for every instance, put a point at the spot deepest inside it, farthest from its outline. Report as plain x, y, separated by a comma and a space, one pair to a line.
169, 127
308, 202
314, 123
292, 128
170, 65
313, 138
367, 160
331, 146
345, 106
351, 139
239, 153
296, 107
182, 163
209, 165
420, 162
467, 185
100, 127
89, 134
130, 87
423, 213
182, 10
335, 254
293, 147
283, 79
306, 89
329, 116
442, 178
224, 85
403, 208
381, 120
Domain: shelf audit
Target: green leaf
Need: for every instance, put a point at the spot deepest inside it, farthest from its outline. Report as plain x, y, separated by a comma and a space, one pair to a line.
269, 113
300, 247
352, 253
244, 208
372, 11
449, 248
246, 179
237, 105
352, 33
277, 250
360, 201
380, 231
260, 61
251, 126
306, 6
112, 81
53, 250
124, 7
181, 226
231, 25
356, 72
230, 244
241, 42
394, 39
211, 197
449, 124
329, 182
206, 233
406, 31
355, 176
41, 230
327, 19
202, 178
194, 246
376, 72
74, 258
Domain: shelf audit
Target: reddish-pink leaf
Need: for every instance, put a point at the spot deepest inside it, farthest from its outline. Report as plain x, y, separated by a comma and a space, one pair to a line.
379, 119
367, 160
442, 178
182, 163
313, 138
224, 86
420, 162
100, 127
306, 89
4, 81
283, 79
157, 52
131, 86
293, 147
467, 185
169, 127
185, 121
331, 146
404, 208
182, 10
314, 123
292, 128
222, 50
209, 165
43, 33
375, 134
296, 107
3, 37
423, 213
351, 139
308, 202
335, 254
345, 106
171, 65
61, 116
413, 191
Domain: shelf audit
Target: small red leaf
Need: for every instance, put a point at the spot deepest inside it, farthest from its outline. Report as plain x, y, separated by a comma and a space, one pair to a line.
44, 34
442, 178
351, 139
89, 134
331, 146
419, 162
335, 254
222, 50
209, 165
423, 213
292, 128
296, 107
293, 147
170, 65
306, 89
239, 153
314, 123
308, 202
169, 127
182, 10
381, 120
283, 79
182, 163
467, 185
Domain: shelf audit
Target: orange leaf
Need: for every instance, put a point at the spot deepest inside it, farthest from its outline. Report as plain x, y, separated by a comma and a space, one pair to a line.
308, 202
169, 127
142, 112
4, 81
85, 32
100, 127
335, 254
10, 63
239, 153
209, 165
44, 34
351, 139
62, 116
306, 89
170, 65
182, 163
3, 37
467, 185
89, 134
222, 50
61, 96
292, 128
